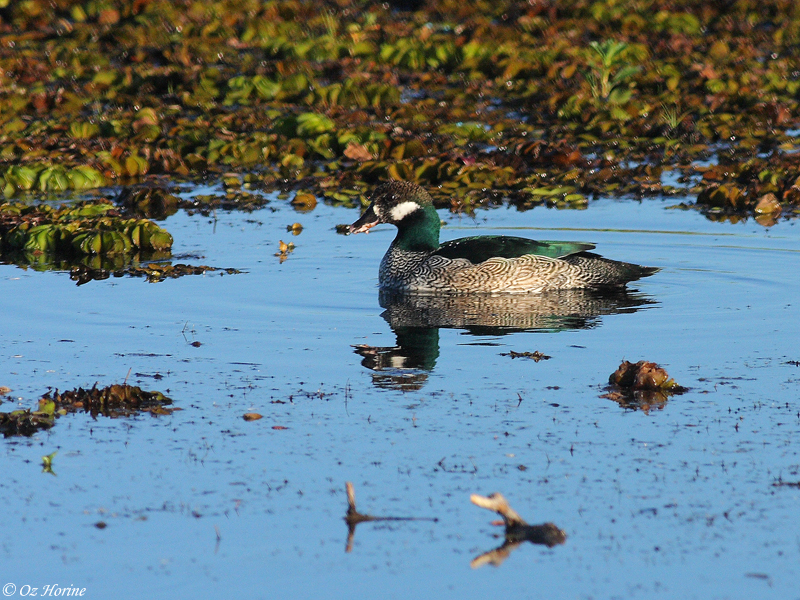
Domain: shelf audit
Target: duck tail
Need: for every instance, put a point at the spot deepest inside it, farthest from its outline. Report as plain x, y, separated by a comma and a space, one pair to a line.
607, 272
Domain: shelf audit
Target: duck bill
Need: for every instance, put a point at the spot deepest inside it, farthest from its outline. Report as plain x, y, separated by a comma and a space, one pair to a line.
366, 222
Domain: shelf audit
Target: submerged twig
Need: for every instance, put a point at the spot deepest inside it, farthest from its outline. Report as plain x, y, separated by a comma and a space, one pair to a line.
780, 483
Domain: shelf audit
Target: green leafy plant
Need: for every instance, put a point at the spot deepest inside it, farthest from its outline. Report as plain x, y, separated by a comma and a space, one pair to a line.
609, 70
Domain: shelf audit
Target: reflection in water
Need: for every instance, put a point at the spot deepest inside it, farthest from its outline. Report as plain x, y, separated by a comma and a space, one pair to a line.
547, 534
644, 400
416, 319
406, 365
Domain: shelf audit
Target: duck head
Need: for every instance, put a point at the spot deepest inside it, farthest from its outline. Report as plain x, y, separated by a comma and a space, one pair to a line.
396, 203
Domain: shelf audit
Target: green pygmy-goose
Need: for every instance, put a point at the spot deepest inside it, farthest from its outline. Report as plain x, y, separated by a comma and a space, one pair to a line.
490, 264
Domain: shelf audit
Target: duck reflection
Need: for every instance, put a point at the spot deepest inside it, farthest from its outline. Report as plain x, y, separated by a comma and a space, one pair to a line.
416, 320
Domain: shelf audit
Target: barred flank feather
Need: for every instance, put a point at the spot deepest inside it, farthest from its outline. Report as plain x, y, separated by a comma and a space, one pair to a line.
412, 272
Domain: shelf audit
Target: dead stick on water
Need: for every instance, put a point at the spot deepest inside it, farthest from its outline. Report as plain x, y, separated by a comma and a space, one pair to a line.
353, 517
499, 504
517, 530
128, 375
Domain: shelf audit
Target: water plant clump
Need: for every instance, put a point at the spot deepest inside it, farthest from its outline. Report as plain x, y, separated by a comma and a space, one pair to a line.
89, 228
641, 386
326, 97
118, 400
95, 240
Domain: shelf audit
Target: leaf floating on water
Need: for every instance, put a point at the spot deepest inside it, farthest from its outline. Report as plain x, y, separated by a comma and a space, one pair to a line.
304, 202
252, 416
295, 228
46, 407
284, 249
47, 463
358, 152
768, 204
279, 427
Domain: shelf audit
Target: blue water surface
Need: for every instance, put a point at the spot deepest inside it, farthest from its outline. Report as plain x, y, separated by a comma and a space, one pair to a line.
678, 501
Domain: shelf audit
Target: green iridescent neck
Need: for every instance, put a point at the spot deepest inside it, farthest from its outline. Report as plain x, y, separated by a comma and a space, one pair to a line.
419, 231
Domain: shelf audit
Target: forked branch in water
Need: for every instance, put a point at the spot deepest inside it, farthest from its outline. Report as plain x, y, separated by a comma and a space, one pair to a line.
353, 517
517, 531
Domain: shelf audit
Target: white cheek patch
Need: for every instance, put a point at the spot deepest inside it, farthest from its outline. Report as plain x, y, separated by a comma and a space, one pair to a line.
402, 210
376, 210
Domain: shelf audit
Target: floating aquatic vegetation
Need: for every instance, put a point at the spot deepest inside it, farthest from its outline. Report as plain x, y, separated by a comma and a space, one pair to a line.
88, 228
94, 240
232, 200
284, 250
152, 272
119, 400
150, 202
26, 422
536, 356
304, 202
21, 178
47, 463
642, 375
323, 97
641, 386
295, 228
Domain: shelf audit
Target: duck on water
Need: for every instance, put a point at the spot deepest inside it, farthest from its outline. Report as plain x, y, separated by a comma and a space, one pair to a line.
489, 264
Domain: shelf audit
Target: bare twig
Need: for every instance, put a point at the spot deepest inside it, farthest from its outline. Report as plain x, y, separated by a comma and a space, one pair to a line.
517, 531
353, 517
499, 504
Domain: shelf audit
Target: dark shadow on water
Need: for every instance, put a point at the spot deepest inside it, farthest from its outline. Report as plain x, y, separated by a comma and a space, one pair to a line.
416, 320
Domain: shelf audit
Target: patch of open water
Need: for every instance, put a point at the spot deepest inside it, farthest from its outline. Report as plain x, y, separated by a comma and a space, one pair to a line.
678, 501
